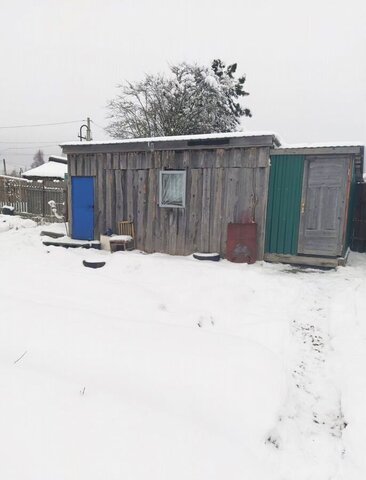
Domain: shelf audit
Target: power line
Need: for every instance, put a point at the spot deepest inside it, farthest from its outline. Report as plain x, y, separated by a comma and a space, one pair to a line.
27, 148
43, 124
53, 142
103, 128
15, 154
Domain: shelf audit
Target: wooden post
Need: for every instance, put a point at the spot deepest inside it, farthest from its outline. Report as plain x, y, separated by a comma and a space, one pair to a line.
43, 200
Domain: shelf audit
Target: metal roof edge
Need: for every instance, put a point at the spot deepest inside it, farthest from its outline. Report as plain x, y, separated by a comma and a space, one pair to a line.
227, 140
325, 149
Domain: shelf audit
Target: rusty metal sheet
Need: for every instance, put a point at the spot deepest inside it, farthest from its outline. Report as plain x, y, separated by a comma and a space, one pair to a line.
241, 244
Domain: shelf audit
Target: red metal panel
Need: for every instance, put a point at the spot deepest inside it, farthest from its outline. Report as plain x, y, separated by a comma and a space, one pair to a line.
241, 244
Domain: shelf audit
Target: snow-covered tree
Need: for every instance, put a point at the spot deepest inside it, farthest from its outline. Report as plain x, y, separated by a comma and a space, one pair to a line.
193, 99
14, 173
37, 159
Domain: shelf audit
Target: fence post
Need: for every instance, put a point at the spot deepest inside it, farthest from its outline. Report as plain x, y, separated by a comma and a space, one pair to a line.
43, 200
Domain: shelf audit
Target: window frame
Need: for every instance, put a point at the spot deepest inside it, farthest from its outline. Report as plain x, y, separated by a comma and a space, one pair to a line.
182, 173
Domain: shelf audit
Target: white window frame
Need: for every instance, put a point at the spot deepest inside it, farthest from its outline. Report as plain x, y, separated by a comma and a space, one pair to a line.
183, 173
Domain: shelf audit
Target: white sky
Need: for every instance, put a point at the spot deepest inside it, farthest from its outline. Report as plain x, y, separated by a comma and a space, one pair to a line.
305, 62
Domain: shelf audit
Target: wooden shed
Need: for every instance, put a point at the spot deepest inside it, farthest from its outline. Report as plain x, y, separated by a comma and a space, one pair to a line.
311, 203
180, 192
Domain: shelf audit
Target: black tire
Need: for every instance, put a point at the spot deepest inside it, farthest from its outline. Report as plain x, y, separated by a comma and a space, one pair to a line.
93, 264
52, 234
214, 257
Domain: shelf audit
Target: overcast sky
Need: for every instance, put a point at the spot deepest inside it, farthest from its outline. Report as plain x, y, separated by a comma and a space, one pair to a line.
60, 61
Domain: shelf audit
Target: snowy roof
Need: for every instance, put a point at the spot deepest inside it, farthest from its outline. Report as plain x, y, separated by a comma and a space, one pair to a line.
47, 170
181, 142
322, 145
9, 177
205, 136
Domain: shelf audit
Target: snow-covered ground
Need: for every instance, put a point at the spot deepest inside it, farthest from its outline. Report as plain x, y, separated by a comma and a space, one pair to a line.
159, 367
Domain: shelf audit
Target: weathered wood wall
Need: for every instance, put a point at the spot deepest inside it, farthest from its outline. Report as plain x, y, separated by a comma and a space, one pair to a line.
223, 185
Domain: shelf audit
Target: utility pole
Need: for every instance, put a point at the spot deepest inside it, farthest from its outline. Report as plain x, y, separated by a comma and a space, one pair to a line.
87, 136
88, 131
4, 163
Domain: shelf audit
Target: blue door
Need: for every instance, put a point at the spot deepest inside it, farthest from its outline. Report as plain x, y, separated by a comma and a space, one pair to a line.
82, 208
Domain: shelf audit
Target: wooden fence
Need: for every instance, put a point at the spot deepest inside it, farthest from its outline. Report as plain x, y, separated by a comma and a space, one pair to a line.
31, 197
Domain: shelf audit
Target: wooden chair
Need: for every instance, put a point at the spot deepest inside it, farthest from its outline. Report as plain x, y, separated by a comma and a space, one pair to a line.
124, 228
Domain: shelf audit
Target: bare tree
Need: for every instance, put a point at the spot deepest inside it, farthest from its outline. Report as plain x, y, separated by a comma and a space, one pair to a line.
193, 99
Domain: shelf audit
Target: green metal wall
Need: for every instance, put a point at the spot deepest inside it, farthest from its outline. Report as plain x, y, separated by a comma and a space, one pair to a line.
284, 203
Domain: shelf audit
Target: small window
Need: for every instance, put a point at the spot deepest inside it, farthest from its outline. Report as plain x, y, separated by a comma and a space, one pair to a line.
172, 188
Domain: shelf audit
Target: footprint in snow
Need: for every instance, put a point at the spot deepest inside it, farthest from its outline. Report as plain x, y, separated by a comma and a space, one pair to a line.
206, 321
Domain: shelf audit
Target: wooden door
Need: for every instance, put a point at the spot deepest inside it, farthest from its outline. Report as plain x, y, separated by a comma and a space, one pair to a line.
323, 206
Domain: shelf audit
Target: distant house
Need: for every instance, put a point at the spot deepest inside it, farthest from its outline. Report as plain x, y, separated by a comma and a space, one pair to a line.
54, 169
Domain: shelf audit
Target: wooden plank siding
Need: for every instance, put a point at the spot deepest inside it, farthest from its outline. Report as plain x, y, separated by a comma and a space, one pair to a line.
222, 186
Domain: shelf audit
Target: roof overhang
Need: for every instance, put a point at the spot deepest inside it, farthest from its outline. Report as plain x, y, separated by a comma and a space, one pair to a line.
319, 149
189, 142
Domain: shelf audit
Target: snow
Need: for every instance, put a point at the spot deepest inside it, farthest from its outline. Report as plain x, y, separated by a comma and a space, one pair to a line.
65, 240
123, 238
323, 144
47, 170
159, 367
174, 138
8, 177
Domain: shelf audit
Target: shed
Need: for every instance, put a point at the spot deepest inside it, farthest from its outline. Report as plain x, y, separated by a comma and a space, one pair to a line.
181, 193
311, 203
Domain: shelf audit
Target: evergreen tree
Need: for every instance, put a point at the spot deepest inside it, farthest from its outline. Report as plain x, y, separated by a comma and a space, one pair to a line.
37, 159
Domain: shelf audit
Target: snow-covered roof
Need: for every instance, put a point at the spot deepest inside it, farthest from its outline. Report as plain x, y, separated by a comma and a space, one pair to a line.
47, 170
322, 144
206, 136
9, 177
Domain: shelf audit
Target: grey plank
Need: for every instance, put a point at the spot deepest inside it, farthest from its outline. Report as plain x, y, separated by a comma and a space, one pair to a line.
195, 207
93, 165
80, 165
129, 192
217, 190
123, 161
119, 177
205, 212
100, 197
108, 161
115, 161
152, 206
141, 216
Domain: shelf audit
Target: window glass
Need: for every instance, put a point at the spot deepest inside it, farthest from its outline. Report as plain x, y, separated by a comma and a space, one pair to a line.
172, 188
